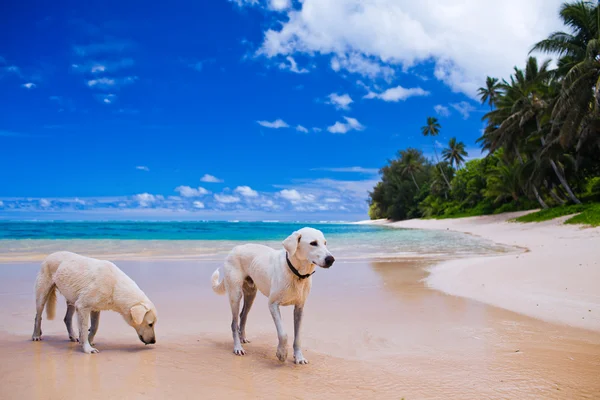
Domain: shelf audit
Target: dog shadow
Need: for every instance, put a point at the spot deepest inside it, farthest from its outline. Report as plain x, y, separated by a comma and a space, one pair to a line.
63, 343
258, 353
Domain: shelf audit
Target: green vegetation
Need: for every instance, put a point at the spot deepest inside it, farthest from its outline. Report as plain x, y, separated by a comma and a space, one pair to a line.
551, 213
591, 216
542, 139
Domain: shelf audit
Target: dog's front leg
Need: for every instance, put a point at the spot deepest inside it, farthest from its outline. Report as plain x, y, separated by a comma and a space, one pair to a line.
83, 317
298, 357
95, 317
282, 347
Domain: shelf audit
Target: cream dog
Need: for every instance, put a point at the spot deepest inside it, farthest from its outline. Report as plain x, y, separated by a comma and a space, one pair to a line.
91, 286
284, 276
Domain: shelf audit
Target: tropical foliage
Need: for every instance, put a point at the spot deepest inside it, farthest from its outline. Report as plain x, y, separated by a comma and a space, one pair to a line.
541, 137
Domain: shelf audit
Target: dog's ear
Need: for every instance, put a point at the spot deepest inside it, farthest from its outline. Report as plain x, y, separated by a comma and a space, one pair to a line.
291, 243
137, 313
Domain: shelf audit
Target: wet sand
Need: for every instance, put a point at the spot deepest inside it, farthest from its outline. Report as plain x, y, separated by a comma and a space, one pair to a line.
371, 329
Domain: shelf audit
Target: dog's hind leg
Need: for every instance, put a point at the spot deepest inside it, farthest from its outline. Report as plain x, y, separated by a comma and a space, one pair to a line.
235, 297
249, 289
44, 287
95, 321
69, 322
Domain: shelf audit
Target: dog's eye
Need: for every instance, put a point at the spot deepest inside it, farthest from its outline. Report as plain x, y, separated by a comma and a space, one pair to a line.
150, 325
314, 243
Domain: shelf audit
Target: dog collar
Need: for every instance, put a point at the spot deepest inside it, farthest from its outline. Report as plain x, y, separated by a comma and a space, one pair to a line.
294, 270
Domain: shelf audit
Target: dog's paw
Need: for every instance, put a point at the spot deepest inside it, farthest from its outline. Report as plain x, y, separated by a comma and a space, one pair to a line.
299, 359
244, 340
282, 354
239, 351
36, 338
73, 339
90, 350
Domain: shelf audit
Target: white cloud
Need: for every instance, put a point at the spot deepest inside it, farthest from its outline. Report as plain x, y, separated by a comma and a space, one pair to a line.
96, 67
300, 128
295, 197
465, 39
274, 125
101, 82
107, 98
358, 64
360, 170
241, 3
280, 5
349, 125
187, 191
198, 204
107, 83
145, 199
45, 203
273, 5
396, 94
246, 191
226, 199
29, 85
1, 203
292, 66
317, 129
464, 108
210, 179
442, 110
340, 101
143, 168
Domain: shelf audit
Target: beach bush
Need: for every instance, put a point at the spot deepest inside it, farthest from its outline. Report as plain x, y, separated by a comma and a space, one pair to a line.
590, 216
551, 213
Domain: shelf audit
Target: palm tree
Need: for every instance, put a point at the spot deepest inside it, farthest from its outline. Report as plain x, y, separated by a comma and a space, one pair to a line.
505, 182
432, 129
583, 19
490, 93
455, 153
520, 111
410, 164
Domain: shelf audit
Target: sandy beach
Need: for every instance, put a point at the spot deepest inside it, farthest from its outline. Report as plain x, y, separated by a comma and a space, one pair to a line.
555, 277
371, 329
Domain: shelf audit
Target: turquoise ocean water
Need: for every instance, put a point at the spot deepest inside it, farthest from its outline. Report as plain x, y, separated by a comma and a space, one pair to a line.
215, 239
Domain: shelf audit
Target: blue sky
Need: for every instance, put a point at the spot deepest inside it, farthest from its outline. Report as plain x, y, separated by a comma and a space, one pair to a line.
240, 109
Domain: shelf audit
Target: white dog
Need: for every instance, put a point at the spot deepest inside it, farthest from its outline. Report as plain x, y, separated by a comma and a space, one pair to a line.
91, 286
284, 276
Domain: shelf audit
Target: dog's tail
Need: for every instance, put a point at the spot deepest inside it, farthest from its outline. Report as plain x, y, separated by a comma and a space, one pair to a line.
218, 283
45, 289
51, 304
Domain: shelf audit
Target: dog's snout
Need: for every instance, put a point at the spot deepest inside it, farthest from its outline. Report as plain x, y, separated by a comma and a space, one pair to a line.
152, 341
329, 260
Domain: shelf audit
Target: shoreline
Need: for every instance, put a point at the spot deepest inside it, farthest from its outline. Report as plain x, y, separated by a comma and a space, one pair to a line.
553, 278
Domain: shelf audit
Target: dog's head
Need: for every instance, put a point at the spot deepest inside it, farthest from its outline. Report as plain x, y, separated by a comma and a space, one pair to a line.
309, 244
142, 317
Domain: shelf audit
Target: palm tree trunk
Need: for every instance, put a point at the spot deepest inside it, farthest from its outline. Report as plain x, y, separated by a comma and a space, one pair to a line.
438, 161
535, 191
555, 196
415, 181
559, 174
